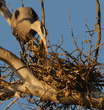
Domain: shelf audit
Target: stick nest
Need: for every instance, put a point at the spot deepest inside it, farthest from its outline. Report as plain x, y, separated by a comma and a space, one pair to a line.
63, 73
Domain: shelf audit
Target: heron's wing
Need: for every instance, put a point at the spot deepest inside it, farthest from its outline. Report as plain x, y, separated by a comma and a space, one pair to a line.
37, 26
5, 12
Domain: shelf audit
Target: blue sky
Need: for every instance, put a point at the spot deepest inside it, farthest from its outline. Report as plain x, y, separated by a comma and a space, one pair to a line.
57, 21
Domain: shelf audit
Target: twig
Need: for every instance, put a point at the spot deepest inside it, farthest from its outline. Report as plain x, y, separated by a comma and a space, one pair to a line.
10, 7
11, 103
88, 93
59, 45
43, 16
74, 39
22, 3
99, 28
48, 39
72, 32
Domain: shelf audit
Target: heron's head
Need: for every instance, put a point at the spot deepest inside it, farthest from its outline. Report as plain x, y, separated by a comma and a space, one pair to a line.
23, 15
25, 21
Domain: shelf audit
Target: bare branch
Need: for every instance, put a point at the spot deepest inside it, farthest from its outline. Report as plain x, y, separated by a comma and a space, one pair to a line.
98, 27
43, 16
12, 103
22, 3
5, 12
10, 7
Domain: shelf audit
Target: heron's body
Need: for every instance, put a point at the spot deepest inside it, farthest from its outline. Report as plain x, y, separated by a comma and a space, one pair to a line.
25, 25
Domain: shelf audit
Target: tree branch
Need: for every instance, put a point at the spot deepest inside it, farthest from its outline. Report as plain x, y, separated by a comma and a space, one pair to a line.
5, 12
99, 28
43, 16
40, 89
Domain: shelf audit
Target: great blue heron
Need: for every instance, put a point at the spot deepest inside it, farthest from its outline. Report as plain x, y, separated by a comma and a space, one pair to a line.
25, 25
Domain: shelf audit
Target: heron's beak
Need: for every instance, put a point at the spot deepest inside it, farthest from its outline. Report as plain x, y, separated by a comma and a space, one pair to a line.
37, 26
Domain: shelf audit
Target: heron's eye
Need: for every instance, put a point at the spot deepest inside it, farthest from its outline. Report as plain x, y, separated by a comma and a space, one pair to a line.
16, 14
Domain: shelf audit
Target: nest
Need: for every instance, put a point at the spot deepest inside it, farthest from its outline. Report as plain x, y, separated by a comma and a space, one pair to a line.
63, 73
